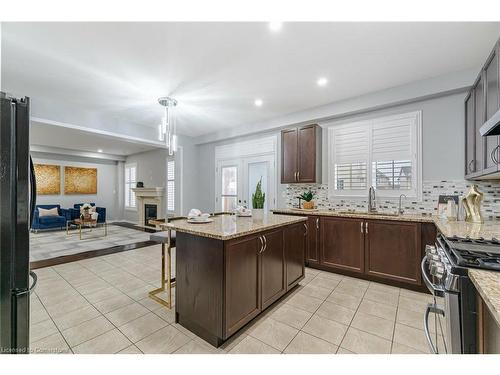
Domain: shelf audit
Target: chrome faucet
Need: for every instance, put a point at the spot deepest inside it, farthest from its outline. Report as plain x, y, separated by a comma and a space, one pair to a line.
401, 210
372, 207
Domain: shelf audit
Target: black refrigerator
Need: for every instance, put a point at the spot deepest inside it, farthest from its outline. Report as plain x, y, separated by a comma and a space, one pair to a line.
17, 195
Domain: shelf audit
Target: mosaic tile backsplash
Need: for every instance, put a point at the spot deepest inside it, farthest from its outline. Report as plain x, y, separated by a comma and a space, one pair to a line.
431, 190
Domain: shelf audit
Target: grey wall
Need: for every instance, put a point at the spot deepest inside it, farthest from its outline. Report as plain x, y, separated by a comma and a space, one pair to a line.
107, 183
151, 169
442, 144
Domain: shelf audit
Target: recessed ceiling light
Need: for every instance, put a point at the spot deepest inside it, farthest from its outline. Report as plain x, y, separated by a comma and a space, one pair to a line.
322, 81
99, 150
275, 26
258, 102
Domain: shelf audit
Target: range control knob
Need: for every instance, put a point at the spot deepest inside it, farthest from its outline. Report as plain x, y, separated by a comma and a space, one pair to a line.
437, 269
429, 249
440, 272
432, 257
435, 266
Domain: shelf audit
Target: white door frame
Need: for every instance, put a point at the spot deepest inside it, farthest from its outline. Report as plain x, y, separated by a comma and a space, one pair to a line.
236, 153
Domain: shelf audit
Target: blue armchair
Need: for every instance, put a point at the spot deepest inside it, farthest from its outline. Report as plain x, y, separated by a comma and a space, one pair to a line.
50, 222
75, 212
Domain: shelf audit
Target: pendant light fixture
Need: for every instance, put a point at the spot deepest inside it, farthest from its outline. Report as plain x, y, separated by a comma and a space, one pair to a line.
167, 128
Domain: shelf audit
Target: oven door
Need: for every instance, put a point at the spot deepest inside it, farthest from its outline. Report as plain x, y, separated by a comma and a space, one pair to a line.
442, 317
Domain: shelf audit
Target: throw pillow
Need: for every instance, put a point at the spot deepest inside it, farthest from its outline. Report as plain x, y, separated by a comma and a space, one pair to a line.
42, 212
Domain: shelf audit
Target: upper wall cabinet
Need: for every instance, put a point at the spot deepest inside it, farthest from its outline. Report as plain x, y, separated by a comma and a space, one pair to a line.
301, 155
482, 154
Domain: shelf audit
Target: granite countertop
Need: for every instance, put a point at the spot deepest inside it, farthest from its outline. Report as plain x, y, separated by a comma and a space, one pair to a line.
487, 230
487, 284
363, 215
226, 227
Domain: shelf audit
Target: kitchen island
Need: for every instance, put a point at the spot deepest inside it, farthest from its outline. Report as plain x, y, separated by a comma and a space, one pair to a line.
230, 270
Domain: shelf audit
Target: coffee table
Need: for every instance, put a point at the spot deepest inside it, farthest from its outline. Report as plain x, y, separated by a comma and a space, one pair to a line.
88, 223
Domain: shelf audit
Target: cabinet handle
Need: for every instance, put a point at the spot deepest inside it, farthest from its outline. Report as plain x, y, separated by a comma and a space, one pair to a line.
470, 165
265, 243
496, 154
317, 223
307, 229
492, 155
261, 244
366, 227
298, 176
361, 227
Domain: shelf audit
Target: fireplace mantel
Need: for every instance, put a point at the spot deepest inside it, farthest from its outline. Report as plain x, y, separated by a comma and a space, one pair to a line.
153, 195
149, 192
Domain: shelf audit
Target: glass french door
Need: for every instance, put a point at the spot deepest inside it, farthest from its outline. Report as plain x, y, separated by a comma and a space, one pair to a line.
237, 180
229, 185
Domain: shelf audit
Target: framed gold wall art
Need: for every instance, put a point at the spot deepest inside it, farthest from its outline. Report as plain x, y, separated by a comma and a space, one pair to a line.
48, 179
80, 180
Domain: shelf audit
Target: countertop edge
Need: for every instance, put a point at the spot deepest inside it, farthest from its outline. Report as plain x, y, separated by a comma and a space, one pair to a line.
297, 219
361, 215
485, 295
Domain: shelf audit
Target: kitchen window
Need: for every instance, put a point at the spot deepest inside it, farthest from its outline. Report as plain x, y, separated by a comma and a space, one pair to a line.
170, 186
384, 153
130, 183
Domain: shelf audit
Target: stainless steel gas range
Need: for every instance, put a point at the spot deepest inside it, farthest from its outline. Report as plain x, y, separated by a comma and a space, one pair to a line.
445, 272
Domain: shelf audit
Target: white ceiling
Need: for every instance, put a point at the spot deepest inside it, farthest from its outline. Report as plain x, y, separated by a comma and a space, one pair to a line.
73, 139
217, 70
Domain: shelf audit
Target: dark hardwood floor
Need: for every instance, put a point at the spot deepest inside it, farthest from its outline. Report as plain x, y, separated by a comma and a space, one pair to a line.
96, 253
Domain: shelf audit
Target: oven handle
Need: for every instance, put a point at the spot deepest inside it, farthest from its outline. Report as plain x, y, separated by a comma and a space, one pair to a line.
433, 288
434, 309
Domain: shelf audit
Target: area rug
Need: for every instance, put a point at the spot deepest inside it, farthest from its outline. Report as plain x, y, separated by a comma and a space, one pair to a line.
52, 244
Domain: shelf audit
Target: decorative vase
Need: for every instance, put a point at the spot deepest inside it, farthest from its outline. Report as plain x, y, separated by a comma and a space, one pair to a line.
308, 205
472, 205
258, 213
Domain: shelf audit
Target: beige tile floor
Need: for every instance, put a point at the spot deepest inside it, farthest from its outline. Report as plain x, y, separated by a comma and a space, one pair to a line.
100, 305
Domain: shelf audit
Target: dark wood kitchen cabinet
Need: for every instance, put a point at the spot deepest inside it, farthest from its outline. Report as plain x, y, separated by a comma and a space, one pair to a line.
295, 245
242, 283
313, 240
259, 270
301, 155
387, 251
482, 154
273, 267
342, 243
224, 283
393, 250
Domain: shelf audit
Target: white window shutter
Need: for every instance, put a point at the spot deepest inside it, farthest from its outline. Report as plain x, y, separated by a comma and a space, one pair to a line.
349, 152
392, 139
171, 185
351, 143
383, 152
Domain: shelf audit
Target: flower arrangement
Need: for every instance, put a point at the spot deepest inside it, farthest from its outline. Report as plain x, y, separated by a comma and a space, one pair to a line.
86, 208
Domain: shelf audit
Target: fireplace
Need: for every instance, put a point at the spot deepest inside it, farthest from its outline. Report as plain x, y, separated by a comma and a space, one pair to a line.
150, 212
150, 204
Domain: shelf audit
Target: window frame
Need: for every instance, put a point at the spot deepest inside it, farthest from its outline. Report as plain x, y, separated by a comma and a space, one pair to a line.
416, 158
167, 180
128, 166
